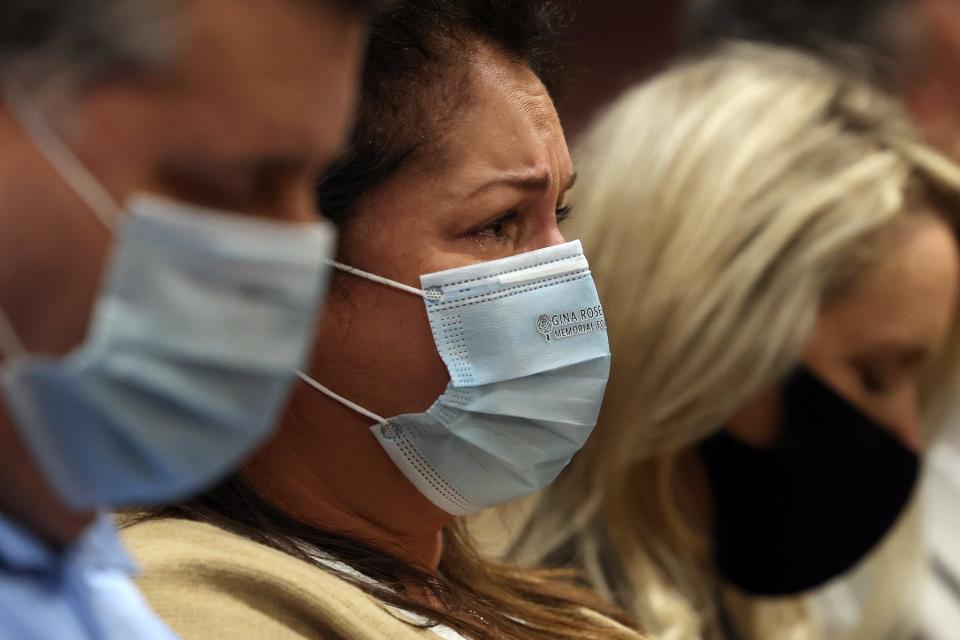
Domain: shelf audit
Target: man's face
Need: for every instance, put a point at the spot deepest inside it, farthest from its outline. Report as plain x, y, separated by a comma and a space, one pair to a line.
254, 107
253, 112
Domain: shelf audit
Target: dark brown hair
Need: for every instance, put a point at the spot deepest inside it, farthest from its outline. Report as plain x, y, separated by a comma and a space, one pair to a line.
417, 77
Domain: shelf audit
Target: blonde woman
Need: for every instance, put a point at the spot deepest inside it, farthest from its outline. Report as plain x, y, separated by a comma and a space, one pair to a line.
777, 255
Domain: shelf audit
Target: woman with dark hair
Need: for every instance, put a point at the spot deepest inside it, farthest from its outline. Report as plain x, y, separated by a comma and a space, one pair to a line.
345, 524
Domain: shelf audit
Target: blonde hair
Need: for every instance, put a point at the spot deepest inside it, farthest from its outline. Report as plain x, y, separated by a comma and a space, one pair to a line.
721, 205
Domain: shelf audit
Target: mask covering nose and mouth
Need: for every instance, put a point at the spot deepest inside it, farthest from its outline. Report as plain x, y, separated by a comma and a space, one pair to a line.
201, 319
793, 516
525, 343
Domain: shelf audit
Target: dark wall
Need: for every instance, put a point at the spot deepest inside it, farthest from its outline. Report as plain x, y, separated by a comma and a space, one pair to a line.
612, 44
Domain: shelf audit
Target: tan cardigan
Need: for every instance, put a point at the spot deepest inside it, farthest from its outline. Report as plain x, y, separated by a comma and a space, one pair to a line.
209, 584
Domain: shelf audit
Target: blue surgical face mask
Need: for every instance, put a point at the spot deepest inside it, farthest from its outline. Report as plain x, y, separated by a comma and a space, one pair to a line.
200, 320
525, 343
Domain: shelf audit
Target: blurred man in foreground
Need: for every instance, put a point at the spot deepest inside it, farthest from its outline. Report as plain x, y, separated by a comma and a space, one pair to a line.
162, 265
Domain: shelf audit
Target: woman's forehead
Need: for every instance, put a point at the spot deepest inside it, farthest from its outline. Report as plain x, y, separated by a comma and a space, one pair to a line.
908, 298
511, 125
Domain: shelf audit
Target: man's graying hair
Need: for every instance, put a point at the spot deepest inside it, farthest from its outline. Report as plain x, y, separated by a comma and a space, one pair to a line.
70, 44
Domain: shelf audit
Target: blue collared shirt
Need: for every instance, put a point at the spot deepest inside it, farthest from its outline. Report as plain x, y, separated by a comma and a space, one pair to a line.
82, 593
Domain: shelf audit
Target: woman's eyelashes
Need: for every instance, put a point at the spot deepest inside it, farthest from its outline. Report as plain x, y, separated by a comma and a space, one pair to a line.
889, 373
500, 229
881, 379
506, 228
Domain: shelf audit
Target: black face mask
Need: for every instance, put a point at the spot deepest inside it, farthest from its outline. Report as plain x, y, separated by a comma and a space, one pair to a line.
793, 516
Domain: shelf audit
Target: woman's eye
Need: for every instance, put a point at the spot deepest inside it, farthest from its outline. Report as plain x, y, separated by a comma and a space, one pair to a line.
500, 227
496, 228
564, 212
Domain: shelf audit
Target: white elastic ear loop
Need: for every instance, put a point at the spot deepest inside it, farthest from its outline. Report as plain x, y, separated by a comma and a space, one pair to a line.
62, 158
433, 296
360, 273
350, 405
10, 345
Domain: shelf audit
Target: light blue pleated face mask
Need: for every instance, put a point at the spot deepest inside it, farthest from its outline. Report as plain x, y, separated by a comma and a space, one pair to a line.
525, 343
201, 319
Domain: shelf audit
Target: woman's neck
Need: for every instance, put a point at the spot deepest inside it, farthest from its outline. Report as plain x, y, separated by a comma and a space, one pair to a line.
328, 471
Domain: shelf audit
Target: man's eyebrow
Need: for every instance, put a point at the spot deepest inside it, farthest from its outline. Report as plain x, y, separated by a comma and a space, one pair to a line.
538, 181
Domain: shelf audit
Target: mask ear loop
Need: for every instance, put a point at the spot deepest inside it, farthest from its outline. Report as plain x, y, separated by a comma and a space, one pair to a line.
10, 346
432, 296
62, 158
347, 403
73, 172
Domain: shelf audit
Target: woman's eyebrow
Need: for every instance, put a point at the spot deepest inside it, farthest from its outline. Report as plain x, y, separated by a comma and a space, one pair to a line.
539, 181
529, 181
904, 353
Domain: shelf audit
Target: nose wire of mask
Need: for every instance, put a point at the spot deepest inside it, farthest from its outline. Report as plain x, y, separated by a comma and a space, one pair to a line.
525, 344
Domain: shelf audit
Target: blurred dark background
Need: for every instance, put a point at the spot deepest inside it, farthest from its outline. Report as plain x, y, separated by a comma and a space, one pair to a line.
612, 44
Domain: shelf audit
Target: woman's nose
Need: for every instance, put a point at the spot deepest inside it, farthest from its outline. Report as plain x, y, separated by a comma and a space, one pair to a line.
549, 230
903, 416
554, 236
